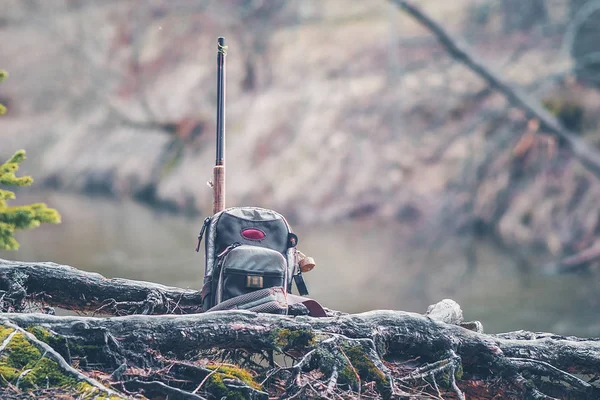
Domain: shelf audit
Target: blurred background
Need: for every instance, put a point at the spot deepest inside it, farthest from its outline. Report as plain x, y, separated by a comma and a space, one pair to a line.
405, 175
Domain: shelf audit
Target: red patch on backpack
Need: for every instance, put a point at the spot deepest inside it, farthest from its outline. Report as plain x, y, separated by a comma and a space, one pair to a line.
253, 234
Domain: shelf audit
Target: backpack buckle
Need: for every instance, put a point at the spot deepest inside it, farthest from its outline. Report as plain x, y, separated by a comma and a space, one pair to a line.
254, 281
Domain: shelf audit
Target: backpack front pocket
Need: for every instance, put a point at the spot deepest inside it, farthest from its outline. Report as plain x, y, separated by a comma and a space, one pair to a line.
245, 268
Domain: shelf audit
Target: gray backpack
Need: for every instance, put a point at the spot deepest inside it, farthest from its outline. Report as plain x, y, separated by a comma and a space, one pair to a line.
250, 262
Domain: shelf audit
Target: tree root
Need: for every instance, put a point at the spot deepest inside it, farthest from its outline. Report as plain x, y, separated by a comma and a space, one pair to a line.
383, 354
379, 354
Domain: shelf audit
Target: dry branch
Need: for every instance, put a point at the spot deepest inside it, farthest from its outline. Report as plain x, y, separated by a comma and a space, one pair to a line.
584, 152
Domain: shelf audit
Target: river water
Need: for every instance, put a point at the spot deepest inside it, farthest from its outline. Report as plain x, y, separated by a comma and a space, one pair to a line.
361, 265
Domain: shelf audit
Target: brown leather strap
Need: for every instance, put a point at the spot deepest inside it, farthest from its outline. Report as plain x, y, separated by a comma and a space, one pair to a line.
315, 309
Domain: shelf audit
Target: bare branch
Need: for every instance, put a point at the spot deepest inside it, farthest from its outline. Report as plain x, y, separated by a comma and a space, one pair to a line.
585, 153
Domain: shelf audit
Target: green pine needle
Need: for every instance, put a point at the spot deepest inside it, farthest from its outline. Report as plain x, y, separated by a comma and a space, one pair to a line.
14, 218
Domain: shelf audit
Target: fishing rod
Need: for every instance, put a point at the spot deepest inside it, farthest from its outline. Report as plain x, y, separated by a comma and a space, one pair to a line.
218, 183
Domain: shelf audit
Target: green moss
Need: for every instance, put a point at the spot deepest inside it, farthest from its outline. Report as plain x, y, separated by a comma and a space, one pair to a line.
86, 391
445, 379
366, 368
79, 350
459, 372
4, 332
85, 352
298, 338
235, 372
8, 374
46, 372
354, 361
89, 392
57, 342
216, 387
40, 333
20, 353
347, 375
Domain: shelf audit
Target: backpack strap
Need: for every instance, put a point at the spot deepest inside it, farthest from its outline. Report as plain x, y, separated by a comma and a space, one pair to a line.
270, 300
300, 284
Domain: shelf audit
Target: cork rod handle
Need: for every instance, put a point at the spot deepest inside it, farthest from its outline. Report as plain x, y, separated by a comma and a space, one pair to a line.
218, 188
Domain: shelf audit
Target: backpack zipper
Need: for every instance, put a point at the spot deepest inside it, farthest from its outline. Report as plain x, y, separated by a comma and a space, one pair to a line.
226, 251
204, 225
245, 272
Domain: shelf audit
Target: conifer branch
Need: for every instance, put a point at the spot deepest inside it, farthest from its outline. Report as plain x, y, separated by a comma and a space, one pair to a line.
24, 216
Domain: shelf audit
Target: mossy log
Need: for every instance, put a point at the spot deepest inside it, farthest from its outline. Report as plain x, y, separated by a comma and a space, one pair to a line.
234, 354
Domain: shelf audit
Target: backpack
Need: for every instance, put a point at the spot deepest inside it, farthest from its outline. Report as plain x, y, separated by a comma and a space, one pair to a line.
250, 262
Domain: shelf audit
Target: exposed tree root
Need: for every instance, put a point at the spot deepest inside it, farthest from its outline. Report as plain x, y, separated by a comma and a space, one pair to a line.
385, 353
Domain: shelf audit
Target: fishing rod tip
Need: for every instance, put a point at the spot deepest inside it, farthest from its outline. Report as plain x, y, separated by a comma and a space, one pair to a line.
221, 40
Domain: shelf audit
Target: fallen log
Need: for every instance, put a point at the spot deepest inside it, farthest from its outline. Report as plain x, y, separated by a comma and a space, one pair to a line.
54, 285
377, 354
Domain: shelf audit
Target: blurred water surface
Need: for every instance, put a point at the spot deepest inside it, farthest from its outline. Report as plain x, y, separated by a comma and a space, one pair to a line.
360, 265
